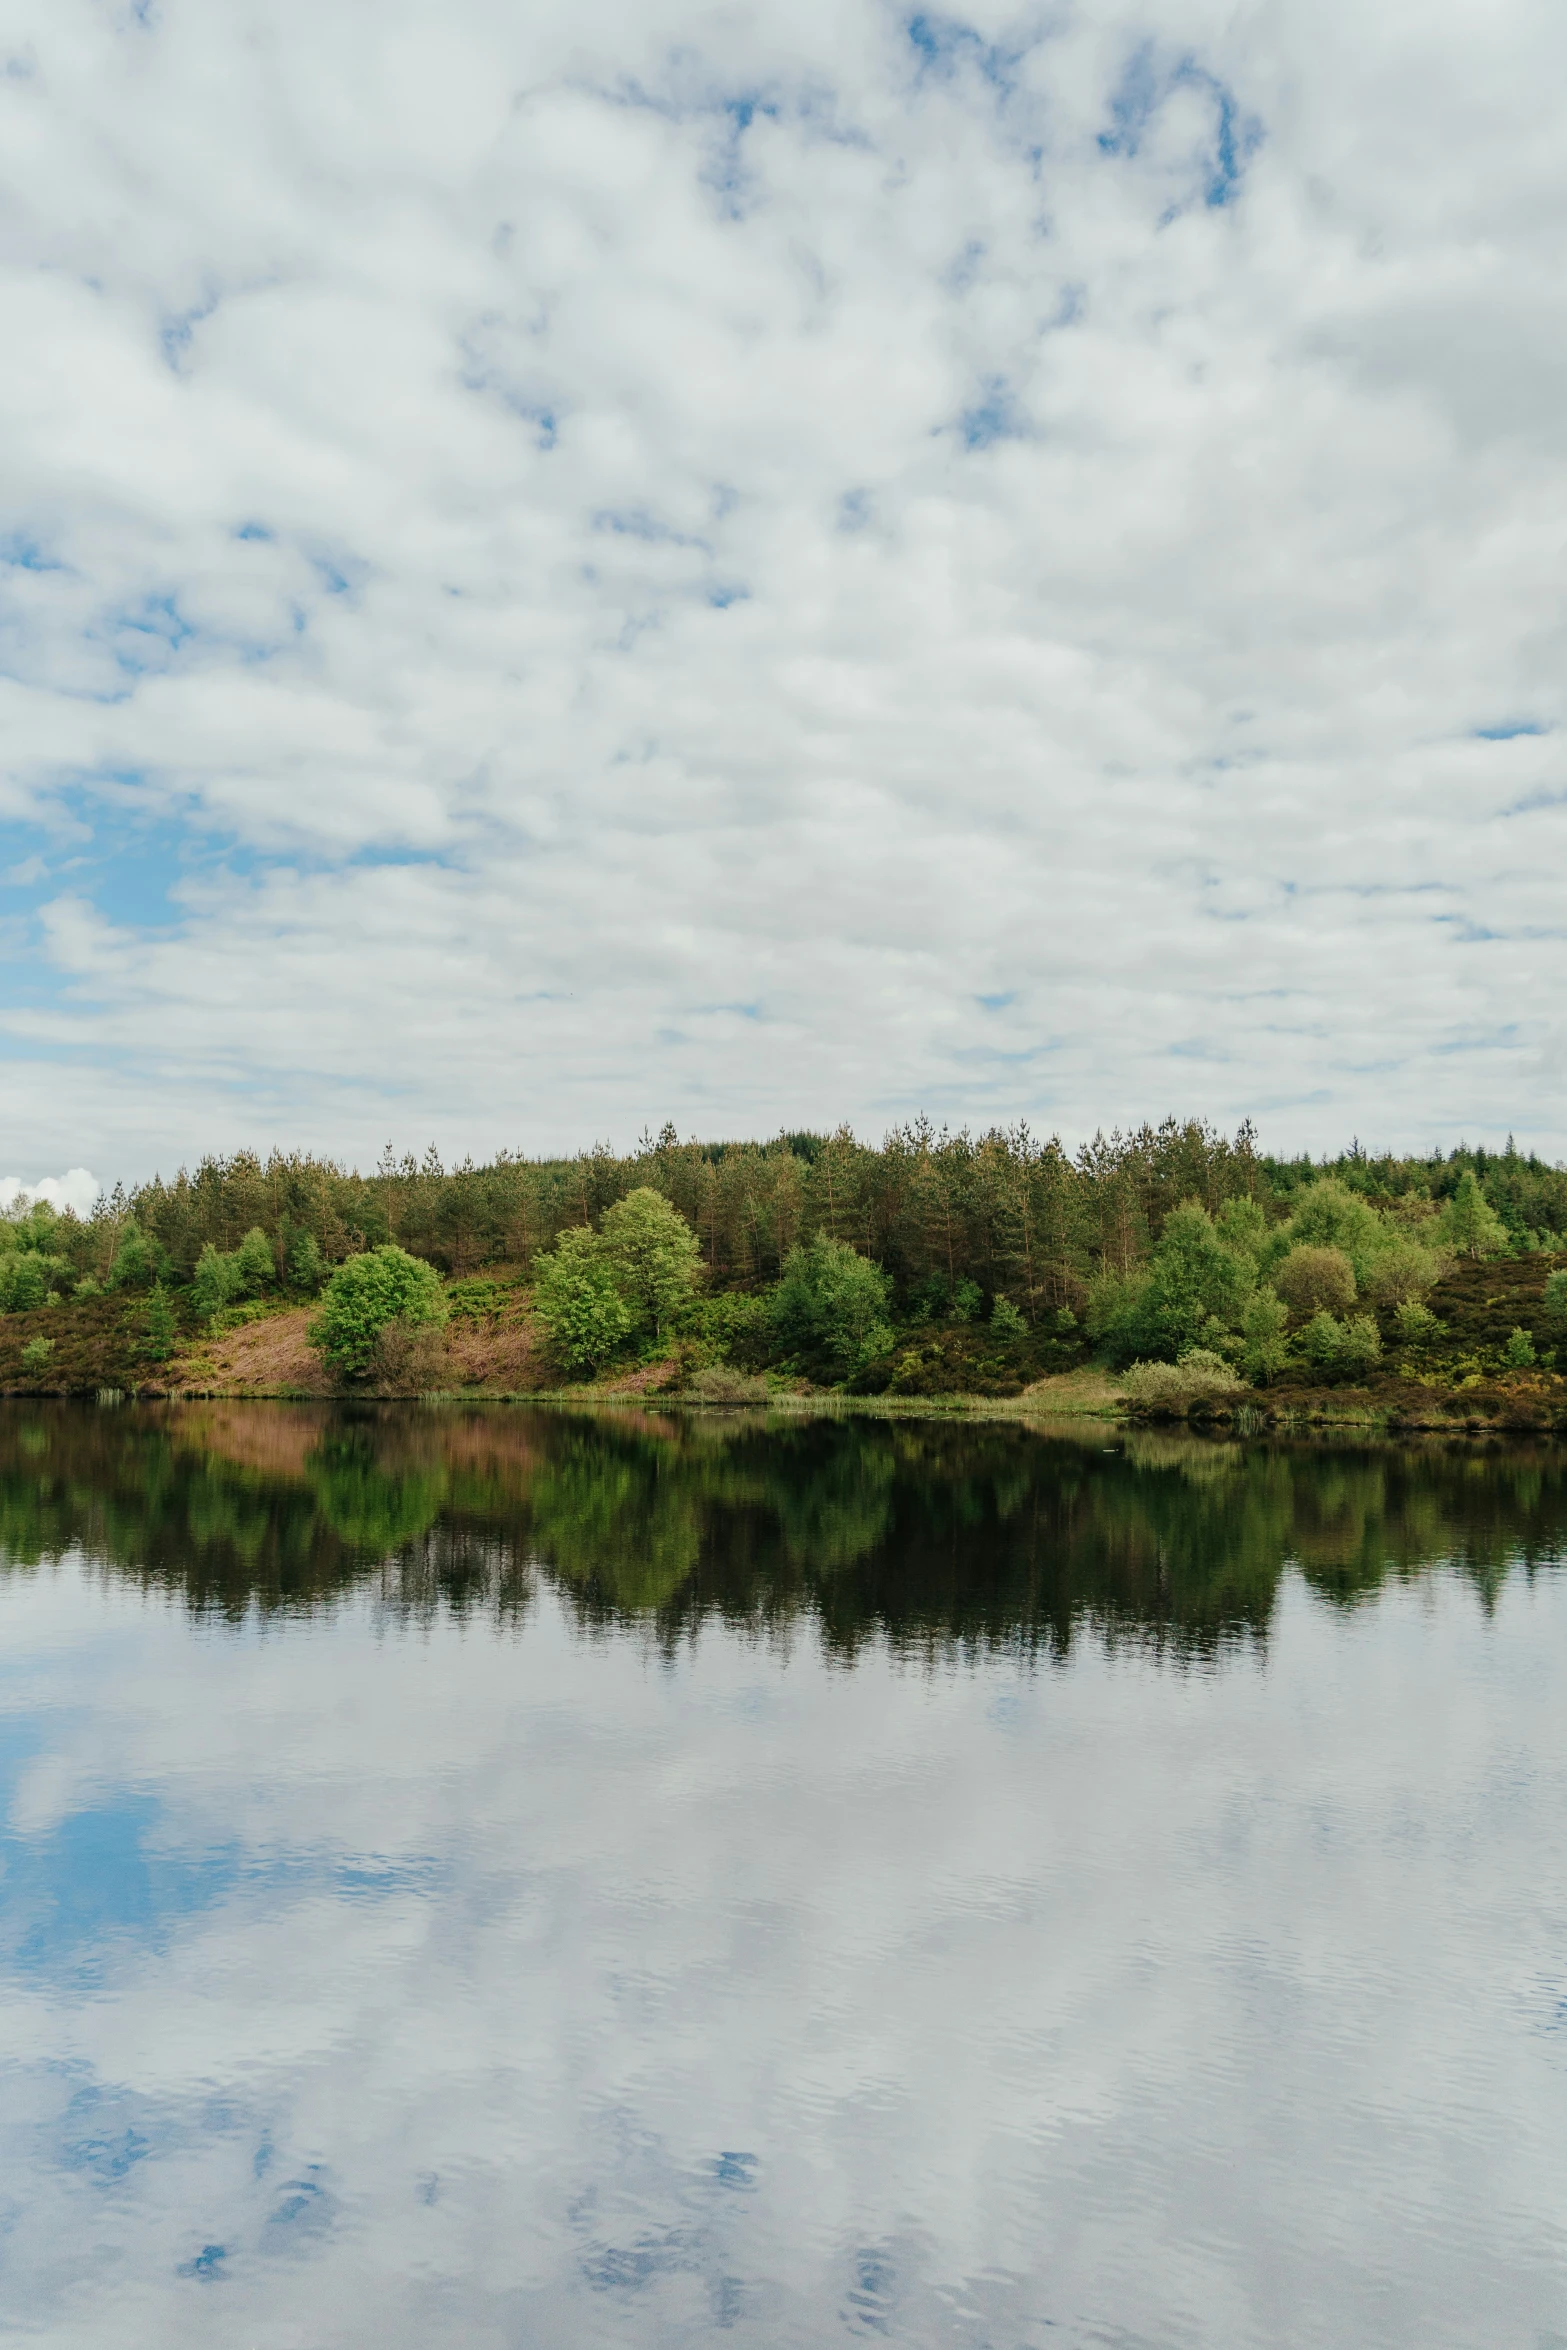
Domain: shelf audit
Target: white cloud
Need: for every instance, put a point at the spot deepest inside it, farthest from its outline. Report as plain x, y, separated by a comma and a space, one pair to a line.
570, 566
76, 1189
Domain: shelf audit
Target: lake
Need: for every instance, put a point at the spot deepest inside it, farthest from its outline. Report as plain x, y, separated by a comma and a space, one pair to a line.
518, 1877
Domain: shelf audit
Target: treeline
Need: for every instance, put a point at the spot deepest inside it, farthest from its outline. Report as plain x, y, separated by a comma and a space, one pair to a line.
1004, 1211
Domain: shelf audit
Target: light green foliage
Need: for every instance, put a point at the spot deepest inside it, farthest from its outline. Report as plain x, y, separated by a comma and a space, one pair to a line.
1403, 1272
24, 1282
138, 1261
214, 1283
35, 1355
729, 1319
1469, 1224
967, 1299
1242, 1226
1315, 1280
1169, 1390
1194, 1291
1417, 1325
1351, 1346
1329, 1215
307, 1267
834, 1299
1065, 1324
1519, 1354
1263, 1347
654, 1256
160, 1329
1555, 1303
255, 1263
577, 1298
365, 1297
1005, 1320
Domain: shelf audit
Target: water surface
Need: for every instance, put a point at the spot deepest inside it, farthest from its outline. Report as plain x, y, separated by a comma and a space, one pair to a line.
515, 1878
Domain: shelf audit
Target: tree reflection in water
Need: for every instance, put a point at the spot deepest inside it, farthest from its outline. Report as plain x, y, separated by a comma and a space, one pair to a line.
928, 1535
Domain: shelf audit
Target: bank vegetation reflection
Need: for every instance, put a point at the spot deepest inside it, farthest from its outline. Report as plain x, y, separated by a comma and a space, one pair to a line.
928, 1535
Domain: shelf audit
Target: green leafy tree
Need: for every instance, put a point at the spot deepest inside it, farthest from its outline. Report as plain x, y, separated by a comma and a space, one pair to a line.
1417, 1325
1404, 1272
1315, 1280
365, 1297
1243, 1227
1469, 1224
160, 1329
1263, 1345
255, 1263
577, 1297
139, 1260
1519, 1354
35, 1356
1005, 1320
306, 1265
1329, 1215
1194, 1291
834, 1301
967, 1299
24, 1283
654, 1256
214, 1283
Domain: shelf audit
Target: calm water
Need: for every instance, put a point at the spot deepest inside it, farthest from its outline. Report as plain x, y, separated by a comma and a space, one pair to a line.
513, 1879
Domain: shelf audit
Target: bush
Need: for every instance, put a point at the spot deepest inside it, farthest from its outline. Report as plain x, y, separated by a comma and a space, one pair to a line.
1171, 1390
967, 1299
474, 1300
24, 1283
577, 1298
364, 1297
833, 1300
718, 1384
138, 1261
1469, 1224
35, 1356
1417, 1325
1006, 1321
1519, 1354
1403, 1273
1344, 1347
1316, 1280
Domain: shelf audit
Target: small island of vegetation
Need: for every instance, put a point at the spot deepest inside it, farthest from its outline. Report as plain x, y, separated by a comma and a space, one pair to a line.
1170, 1271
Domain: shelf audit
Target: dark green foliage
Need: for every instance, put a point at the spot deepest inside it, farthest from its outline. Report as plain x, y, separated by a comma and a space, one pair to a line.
139, 1259
160, 1329
833, 1302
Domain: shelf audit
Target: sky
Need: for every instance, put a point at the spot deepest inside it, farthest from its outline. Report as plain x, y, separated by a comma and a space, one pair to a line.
568, 566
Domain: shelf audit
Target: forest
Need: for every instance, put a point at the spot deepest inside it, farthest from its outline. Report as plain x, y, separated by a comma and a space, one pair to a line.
935, 1260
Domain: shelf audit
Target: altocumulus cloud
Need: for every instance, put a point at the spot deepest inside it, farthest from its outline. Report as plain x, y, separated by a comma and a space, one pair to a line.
564, 565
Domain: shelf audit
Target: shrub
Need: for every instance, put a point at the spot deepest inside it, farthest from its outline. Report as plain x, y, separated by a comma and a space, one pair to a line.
1518, 1354
832, 1299
364, 1297
719, 1384
1316, 1281
1350, 1346
577, 1298
35, 1355
24, 1283
1171, 1390
1005, 1320
1361, 1345
967, 1299
474, 1300
1417, 1325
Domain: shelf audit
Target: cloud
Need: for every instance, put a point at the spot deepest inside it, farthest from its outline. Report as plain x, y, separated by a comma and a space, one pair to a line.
525, 531
76, 1189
